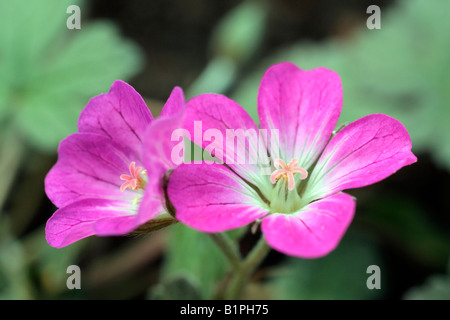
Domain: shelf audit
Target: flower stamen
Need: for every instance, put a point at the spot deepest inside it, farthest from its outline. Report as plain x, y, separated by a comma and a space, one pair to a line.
133, 181
287, 172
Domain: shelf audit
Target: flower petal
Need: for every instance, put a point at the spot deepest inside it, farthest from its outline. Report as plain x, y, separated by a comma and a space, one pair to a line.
364, 152
174, 104
303, 105
221, 126
160, 140
89, 166
89, 217
152, 203
211, 198
312, 232
157, 154
121, 114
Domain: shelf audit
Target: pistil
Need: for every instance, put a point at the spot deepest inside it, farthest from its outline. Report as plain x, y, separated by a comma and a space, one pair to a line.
134, 181
285, 198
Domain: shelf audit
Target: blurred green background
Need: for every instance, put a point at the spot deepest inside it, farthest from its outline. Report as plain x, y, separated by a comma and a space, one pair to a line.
48, 73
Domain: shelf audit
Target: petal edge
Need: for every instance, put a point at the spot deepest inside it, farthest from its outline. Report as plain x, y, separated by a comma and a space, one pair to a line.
312, 232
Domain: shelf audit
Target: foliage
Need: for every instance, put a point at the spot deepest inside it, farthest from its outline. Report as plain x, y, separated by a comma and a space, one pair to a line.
49, 72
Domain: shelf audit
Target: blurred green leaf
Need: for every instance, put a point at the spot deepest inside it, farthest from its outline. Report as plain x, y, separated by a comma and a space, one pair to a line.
14, 281
215, 78
436, 287
50, 264
49, 72
193, 255
4, 97
234, 40
239, 34
402, 70
176, 288
340, 275
11, 154
407, 226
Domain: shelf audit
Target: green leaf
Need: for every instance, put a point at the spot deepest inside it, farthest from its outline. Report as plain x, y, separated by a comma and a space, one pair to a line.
50, 72
436, 287
217, 76
45, 121
176, 288
50, 264
27, 30
234, 40
14, 282
239, 34
340, 275
193, 255
408, 227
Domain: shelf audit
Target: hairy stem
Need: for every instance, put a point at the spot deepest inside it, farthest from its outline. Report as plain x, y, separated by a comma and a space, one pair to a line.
242, 275
228, 248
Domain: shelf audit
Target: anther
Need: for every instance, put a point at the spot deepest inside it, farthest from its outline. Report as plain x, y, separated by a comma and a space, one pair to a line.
133, 181
287, 172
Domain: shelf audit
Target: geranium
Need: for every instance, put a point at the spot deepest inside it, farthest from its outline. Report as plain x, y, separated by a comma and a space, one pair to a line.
300, 203
110, 176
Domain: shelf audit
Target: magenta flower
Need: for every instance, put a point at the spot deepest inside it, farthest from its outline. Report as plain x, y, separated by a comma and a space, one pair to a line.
300, 203
109, 176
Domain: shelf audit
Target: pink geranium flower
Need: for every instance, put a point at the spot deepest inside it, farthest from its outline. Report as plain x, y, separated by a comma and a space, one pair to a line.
109, 176
300, 203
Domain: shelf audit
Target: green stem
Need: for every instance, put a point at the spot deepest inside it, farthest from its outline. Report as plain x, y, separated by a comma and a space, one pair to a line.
242, 275
228, 248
